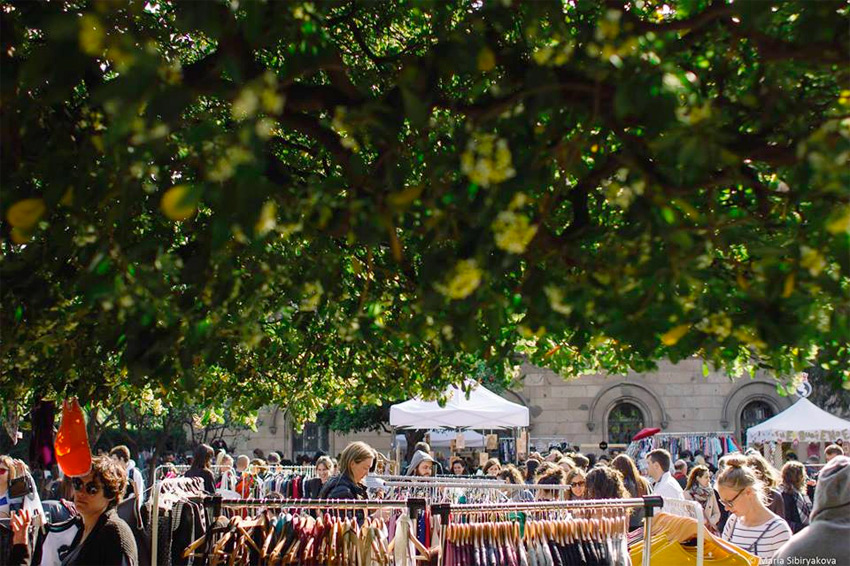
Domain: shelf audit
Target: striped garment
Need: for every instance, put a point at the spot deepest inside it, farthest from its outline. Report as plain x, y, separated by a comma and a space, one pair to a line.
762, 540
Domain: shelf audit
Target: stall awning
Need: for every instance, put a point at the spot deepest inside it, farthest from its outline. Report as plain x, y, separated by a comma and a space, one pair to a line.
803, 421
483, 409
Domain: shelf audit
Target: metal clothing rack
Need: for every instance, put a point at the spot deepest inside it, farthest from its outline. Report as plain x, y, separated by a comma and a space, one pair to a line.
712, 433
413, 505
478, 485
648, 503
194, 484
441, 478
692, 509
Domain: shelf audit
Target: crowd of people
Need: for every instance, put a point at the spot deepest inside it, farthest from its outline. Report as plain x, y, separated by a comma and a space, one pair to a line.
745, 500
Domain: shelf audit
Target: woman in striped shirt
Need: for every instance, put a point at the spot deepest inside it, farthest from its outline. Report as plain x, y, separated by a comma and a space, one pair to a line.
752, 526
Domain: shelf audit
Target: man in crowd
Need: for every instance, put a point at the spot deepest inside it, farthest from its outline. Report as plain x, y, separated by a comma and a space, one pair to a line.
658, 467
135, 483
832, 451
681, 474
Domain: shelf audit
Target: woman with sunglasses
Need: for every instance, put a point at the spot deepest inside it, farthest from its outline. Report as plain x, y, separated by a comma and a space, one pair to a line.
105, 539
751, 525
577, 482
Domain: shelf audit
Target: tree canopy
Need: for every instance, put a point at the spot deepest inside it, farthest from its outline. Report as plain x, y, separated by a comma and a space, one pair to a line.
314, 203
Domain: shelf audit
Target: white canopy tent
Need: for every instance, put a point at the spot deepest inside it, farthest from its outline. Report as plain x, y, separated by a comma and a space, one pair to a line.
483, 410
804, 422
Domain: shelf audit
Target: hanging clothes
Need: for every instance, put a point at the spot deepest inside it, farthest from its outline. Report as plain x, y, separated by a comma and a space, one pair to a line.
712, 445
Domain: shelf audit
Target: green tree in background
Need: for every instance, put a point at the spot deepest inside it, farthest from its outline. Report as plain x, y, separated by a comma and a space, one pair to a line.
321, 203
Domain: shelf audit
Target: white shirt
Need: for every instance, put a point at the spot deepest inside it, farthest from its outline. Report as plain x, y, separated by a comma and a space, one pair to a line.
668, 488
135, 475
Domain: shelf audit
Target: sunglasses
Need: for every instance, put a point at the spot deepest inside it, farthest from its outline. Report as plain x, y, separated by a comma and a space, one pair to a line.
728, 504
3, 471
578, 484
91, 487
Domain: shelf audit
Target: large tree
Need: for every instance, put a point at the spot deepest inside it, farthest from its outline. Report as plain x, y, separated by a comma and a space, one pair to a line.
315, 203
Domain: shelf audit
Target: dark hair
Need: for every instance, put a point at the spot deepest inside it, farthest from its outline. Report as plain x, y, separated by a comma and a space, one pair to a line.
580, 460
696, 473
794, 477
531, 466
112, 477
627, 468
551, 475
121, 451
545, 467
511, 474
685, 455
490, 463
460, 461
202, 456
604, 482
833, 450
660, 457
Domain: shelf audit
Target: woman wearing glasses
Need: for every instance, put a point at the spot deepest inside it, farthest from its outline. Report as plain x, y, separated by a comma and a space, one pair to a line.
105, 539
751, 525
577, 483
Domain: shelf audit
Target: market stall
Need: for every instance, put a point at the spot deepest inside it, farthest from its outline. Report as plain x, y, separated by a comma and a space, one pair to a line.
481, 409
802, 422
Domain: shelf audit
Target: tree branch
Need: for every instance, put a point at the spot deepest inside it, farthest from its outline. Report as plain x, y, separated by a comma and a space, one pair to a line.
311, 127
714, 12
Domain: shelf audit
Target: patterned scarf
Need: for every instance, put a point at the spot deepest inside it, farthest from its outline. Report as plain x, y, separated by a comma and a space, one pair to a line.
700, 493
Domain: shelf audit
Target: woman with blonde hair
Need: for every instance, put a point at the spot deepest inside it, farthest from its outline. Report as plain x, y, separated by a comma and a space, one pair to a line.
751, 525
769, 477
798, 506
698, 488
354, 465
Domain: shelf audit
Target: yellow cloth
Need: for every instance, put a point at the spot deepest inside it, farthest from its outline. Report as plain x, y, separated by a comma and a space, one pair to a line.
666, 552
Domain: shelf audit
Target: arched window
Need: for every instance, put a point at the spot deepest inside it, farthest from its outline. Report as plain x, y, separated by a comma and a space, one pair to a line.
624, 421
754, 413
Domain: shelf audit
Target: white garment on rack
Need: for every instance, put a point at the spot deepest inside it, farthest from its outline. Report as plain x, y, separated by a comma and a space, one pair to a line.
403, 551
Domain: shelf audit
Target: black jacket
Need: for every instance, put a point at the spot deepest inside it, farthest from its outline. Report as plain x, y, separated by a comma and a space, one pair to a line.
312, 488
111, 543
343, 487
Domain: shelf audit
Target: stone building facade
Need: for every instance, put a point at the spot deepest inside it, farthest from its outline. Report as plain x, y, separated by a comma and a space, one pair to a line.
581, 411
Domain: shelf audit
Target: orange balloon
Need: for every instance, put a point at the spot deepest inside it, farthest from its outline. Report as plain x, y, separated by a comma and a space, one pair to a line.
72, 442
